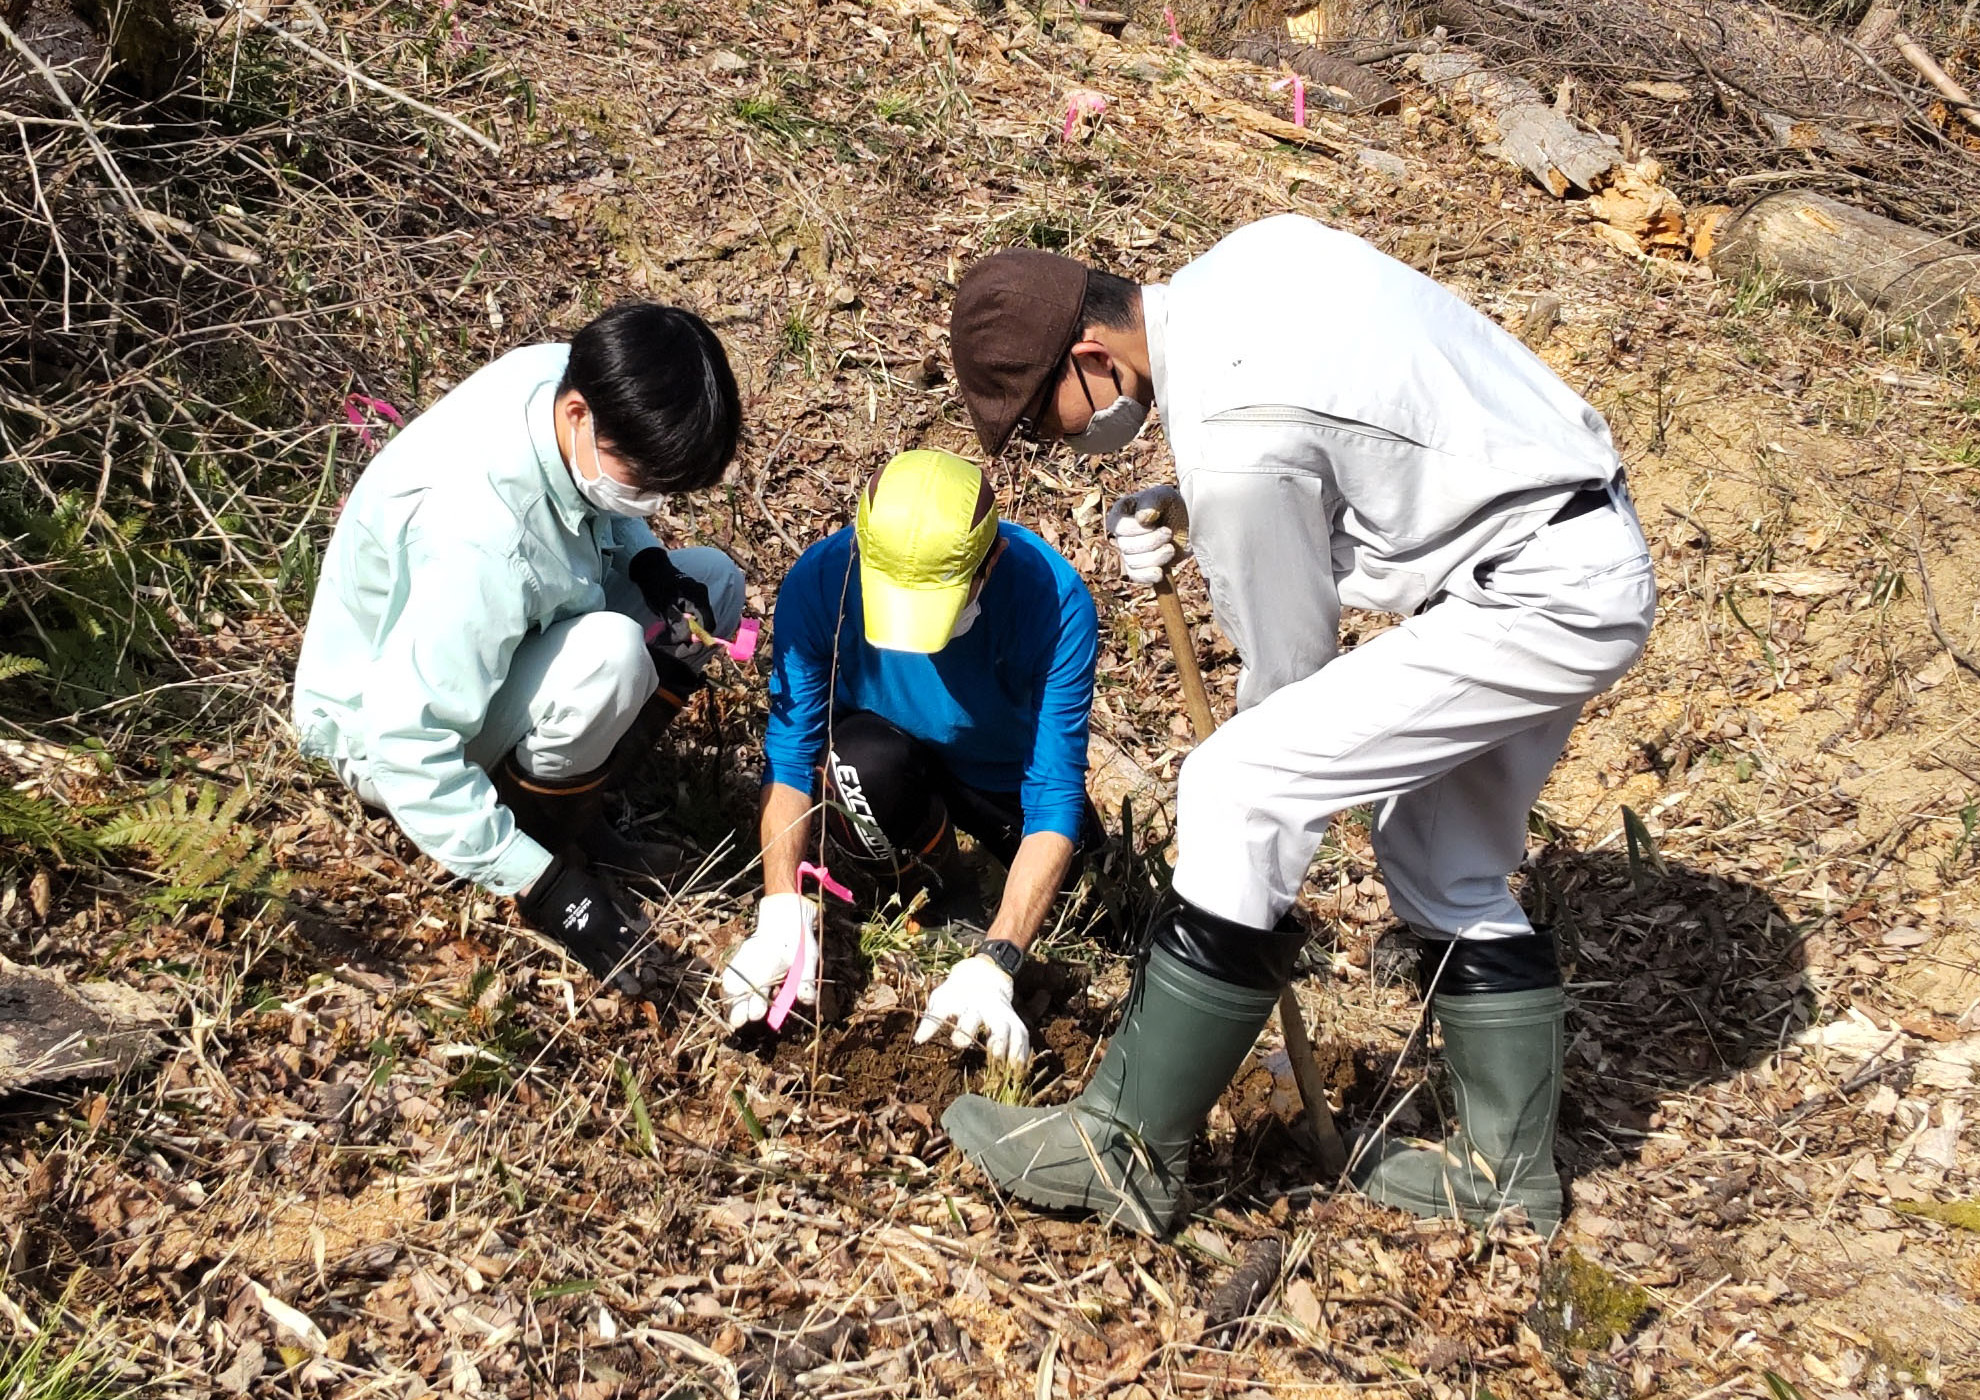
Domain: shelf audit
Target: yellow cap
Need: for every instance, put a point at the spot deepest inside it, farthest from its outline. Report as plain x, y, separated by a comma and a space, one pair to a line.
926, 520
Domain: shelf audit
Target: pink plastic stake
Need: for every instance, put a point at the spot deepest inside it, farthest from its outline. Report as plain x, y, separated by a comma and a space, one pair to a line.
1175, 34
787, 994
824, 879
744, 646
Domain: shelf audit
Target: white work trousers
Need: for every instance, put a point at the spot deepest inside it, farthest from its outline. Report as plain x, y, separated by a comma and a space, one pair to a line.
1449, 723
574, 688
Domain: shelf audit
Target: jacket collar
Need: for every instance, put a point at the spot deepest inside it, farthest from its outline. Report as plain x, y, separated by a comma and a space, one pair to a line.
1155, 325
572, 508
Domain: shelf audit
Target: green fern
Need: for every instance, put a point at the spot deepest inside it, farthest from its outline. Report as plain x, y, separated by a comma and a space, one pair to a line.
11, 666
198, 845
43, 825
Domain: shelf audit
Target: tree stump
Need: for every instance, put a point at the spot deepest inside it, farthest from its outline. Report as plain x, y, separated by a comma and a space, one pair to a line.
1879, 276
52, 1030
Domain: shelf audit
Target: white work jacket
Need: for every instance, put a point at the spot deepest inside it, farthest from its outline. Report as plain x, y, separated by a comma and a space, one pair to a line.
1347, 431
464, 535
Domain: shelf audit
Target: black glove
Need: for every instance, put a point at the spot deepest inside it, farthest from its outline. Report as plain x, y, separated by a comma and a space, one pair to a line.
572, 904
672, 596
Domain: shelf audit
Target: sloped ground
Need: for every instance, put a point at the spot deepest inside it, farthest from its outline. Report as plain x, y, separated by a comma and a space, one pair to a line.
388, 1109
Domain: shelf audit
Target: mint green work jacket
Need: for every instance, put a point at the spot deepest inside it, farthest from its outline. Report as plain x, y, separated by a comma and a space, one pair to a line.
461, 538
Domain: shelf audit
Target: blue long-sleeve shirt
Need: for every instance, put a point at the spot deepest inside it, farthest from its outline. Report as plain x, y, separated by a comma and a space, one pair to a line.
1006, 703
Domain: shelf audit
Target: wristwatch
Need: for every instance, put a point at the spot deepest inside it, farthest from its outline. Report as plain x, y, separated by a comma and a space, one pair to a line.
1004, 953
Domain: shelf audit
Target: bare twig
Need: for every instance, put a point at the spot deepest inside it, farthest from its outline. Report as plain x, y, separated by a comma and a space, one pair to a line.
353, 73
1932, 611
111, 170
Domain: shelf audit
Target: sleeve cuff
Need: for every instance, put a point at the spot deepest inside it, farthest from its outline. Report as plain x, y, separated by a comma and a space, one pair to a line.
1066, 824
515, 866
801, 777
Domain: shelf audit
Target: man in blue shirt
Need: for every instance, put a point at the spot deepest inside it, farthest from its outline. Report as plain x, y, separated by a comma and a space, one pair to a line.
937, 665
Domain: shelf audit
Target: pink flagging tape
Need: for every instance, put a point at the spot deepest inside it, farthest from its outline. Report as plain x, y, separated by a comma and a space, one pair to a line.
1298, 85
1081, 103
740, 650
824, 879
787, 994
355, 408
1175, 34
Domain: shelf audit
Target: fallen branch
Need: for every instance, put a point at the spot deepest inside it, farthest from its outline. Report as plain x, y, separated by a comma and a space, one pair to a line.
1932, 611
111, 170
355, 74
1208, 102
1929, 69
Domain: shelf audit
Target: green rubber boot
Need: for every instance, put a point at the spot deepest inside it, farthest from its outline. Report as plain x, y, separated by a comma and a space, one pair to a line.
1503, 1051
1121, 1149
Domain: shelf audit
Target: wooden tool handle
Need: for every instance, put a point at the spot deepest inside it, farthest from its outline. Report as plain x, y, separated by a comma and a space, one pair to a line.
1183, 648
1327, 1143
1312, 1090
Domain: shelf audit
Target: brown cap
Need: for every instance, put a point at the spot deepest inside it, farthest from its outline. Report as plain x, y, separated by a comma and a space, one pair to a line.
1016, 315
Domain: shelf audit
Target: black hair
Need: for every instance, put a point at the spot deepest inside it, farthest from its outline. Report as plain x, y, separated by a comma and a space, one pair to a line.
1113, 302
665, 398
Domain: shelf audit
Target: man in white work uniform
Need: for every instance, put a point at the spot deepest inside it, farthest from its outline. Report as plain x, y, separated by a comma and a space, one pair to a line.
496, 629
1346, 432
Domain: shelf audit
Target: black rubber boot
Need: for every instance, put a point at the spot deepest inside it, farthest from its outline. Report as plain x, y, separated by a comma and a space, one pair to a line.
1503, 1012
570, 814
1121, 1149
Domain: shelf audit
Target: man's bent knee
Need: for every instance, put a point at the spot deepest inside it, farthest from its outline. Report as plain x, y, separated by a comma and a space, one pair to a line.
602, 677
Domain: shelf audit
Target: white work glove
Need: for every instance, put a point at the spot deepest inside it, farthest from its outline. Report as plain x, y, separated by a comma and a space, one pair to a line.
1146, 548
758, 968
975, 999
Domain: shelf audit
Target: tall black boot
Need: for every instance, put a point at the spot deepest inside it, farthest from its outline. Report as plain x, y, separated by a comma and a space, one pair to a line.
569, 813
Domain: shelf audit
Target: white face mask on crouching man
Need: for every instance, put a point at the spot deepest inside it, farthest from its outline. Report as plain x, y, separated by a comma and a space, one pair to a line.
606, 491
1110, 428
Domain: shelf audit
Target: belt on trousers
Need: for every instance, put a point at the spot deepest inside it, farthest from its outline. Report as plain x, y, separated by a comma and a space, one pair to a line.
1588, 498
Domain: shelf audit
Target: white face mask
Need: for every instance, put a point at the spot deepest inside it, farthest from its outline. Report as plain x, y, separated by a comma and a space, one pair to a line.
966, 619
606, 491
1110, 428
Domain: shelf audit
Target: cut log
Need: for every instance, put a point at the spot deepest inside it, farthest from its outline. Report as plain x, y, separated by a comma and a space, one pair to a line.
1879, 276
52, 1030
1342, 85
1512, 120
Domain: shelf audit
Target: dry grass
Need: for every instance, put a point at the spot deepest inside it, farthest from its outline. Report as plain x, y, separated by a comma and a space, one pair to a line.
469, 1170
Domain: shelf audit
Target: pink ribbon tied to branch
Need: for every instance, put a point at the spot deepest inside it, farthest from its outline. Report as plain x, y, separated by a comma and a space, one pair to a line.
1175, 34
1082, 103
1298, 85
357, 406
787, 994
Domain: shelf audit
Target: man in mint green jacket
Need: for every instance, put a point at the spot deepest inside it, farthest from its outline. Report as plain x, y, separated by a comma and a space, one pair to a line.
495, 622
